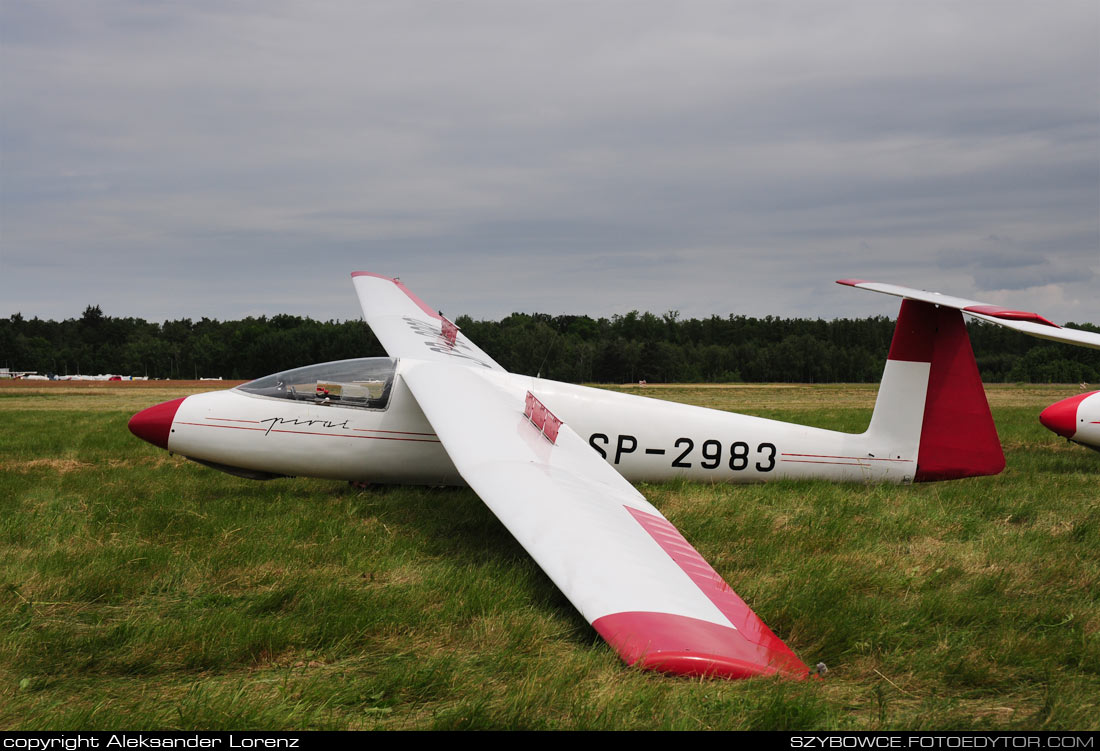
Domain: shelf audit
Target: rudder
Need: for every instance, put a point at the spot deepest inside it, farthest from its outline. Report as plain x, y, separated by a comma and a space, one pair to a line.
958, 437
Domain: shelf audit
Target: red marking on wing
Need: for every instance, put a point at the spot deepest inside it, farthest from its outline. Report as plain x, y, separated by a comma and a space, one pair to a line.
541, 418
450, 331
420, 303
681, 645
1010, 315
851, 282
689, 646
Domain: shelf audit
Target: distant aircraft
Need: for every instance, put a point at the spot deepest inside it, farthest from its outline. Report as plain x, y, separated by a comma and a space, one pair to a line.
555, 461
1076, 418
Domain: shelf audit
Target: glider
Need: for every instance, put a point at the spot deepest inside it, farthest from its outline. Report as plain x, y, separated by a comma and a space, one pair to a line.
555, 461
1076, 418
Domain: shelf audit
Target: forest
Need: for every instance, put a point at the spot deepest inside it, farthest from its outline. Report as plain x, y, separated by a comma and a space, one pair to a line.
622, 349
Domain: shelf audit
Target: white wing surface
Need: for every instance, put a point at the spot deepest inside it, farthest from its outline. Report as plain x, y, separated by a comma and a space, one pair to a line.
1020, 320
408, 327
619, 561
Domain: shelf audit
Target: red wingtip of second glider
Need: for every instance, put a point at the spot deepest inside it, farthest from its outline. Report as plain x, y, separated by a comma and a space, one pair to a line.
1061, 417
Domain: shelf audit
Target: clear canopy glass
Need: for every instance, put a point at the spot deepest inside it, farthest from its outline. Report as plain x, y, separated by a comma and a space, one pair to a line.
364, 382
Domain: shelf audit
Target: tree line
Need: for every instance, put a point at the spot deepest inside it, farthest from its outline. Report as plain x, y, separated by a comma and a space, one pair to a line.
579, 349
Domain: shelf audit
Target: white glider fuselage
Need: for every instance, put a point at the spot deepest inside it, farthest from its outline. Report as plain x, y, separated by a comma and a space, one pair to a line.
643, 439
537, 452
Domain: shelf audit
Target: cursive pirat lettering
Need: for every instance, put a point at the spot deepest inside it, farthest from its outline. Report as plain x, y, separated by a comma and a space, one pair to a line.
273, 421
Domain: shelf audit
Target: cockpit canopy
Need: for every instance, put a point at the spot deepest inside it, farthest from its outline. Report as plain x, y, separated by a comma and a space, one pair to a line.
364, 382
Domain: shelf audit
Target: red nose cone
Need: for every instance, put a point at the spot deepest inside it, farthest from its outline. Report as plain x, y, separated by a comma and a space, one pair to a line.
155, 424
1061, 417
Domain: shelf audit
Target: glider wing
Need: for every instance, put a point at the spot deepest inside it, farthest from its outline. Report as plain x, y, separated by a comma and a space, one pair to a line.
408, 327
628, 571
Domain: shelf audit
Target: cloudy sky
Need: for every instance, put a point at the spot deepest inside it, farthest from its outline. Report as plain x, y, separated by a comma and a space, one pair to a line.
224, 159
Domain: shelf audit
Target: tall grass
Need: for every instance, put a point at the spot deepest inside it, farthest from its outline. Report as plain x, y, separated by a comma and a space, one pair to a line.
139, 590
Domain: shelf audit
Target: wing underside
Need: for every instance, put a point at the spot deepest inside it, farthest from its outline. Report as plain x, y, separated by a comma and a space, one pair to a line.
629, 572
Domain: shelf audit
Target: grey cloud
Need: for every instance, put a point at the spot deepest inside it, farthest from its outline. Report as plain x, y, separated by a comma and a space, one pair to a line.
591, 157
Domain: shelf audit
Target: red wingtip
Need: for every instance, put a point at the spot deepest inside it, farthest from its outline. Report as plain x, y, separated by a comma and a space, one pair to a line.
428, 309
1061, 417
681, 645
852, 282
155, 423
371, 273
995, 311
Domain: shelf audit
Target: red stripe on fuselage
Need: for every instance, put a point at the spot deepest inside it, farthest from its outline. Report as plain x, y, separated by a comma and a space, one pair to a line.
361, 430
857, 458
815, 461
396, 432
308, 432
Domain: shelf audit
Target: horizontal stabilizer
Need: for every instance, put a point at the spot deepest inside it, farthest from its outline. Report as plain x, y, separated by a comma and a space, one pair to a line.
1018, 320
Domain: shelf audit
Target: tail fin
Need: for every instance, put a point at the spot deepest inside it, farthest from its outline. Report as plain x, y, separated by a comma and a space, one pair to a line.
932, 394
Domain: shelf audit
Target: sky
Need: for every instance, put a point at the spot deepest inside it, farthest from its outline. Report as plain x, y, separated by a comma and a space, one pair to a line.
166, 160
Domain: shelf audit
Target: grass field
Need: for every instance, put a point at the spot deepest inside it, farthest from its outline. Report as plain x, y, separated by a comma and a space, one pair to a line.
139, 590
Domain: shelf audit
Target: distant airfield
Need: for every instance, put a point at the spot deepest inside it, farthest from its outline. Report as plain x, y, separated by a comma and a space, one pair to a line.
23, 383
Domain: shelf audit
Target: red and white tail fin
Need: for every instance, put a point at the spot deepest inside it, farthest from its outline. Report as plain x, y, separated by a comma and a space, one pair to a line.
932, 399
